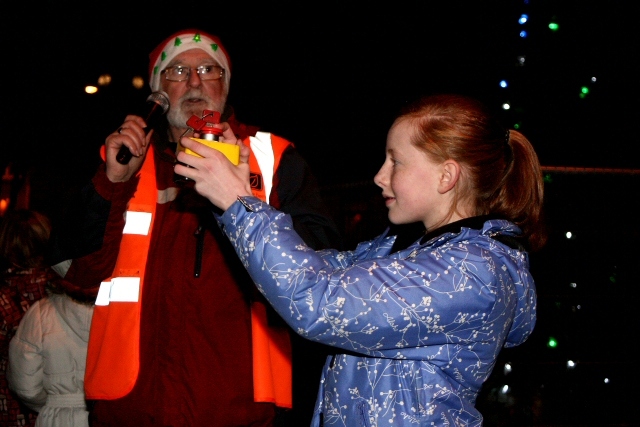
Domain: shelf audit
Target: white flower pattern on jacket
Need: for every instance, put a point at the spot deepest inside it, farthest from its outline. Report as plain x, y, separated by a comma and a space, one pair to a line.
420, 328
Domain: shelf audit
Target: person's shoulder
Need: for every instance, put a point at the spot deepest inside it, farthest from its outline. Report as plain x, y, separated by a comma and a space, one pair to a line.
41, 305
273, 138
280, 147
31, 319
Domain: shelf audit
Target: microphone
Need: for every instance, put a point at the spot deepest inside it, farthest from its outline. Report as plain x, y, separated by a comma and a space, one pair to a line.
157, 104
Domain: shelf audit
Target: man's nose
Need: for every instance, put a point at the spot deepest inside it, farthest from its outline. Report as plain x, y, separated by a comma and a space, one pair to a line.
194, 78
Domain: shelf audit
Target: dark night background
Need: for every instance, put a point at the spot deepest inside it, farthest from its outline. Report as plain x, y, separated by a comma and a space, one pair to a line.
330, 76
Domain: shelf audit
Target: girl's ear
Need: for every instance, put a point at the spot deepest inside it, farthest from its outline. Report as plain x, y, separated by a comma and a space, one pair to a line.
450, 174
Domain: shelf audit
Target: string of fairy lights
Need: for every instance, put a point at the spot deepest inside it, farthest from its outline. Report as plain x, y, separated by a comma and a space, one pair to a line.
559, 352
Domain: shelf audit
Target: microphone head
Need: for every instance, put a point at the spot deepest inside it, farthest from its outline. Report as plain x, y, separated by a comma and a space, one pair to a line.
161, 98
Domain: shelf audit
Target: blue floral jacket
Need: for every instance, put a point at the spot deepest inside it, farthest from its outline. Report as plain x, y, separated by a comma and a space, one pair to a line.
418, 330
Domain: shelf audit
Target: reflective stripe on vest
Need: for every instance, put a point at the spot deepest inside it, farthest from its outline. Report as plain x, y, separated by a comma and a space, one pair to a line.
272, 377
113, 354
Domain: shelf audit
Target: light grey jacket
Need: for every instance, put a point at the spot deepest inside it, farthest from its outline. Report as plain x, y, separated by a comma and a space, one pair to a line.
47, 359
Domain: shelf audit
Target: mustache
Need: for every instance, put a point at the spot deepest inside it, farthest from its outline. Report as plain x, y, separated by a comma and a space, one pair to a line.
195, 94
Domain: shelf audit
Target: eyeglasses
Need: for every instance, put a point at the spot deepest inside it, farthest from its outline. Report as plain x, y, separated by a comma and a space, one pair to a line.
180, 73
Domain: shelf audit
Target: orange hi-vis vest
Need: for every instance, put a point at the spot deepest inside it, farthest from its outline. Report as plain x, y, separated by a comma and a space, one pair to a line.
113, 354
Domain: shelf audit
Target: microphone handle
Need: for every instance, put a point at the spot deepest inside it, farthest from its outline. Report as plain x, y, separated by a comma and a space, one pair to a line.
124, 155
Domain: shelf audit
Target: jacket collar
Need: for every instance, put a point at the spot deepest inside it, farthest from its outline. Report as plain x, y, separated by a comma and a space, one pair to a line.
476, 223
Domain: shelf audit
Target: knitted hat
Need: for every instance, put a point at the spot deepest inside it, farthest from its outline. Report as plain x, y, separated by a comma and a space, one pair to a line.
181, 42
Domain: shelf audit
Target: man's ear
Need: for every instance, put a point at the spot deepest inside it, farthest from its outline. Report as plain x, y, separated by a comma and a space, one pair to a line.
450, 174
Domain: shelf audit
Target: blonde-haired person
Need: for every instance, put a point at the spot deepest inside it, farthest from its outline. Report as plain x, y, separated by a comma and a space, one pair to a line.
417, 329
24, 235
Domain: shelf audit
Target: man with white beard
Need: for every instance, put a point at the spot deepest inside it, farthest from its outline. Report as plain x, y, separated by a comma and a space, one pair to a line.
180, 336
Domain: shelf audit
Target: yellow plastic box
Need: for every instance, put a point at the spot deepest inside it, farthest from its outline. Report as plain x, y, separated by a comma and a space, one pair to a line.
231, 151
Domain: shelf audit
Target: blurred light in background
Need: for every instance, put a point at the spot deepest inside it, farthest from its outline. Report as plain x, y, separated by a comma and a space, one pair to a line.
104, 80
137, 82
